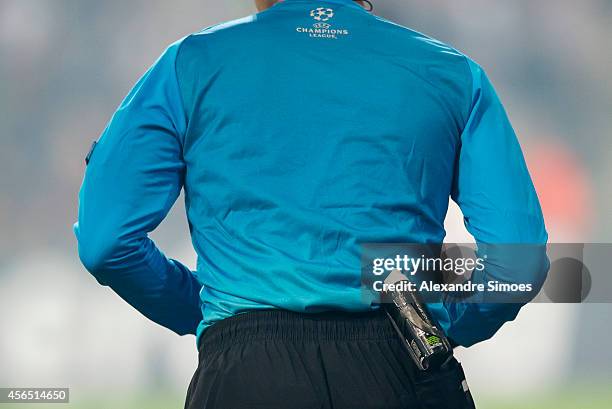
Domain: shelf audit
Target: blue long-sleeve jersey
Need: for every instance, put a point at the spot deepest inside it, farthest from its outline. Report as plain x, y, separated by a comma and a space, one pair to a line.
299, 133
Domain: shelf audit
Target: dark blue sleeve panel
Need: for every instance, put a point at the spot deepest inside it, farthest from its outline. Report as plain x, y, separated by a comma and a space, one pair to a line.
133, 178
493, 188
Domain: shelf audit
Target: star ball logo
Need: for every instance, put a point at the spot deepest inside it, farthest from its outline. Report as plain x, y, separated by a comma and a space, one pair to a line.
322, 29
322, 14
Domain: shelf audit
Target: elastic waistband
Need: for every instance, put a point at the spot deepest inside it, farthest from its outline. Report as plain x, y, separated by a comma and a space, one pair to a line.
292, 326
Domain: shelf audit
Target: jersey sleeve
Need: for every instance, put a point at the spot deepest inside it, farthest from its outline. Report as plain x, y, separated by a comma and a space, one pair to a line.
493, 188
133, 177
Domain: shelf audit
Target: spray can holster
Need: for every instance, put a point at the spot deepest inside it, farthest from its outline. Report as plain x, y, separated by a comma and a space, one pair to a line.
427, 345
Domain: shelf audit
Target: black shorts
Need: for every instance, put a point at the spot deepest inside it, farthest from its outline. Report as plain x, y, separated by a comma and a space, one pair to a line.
280, 359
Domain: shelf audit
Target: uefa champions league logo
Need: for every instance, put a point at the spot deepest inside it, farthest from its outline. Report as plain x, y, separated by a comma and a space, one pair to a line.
322, 14
322, 29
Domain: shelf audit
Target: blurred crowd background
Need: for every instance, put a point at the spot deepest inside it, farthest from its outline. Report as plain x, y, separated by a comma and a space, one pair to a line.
66, 64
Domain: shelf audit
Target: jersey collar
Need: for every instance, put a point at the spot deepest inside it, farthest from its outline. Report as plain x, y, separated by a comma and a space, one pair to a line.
349, 3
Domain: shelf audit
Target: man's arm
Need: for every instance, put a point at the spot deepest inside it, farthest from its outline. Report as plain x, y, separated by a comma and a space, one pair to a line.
493, 188
133, 178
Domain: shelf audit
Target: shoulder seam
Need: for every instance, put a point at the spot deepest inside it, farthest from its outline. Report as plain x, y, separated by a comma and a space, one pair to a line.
472, 94
180, 89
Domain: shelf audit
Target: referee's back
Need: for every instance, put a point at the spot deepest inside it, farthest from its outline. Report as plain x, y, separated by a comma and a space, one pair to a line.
299, 133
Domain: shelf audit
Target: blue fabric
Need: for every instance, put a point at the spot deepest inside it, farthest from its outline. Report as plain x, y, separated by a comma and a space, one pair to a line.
293, 147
